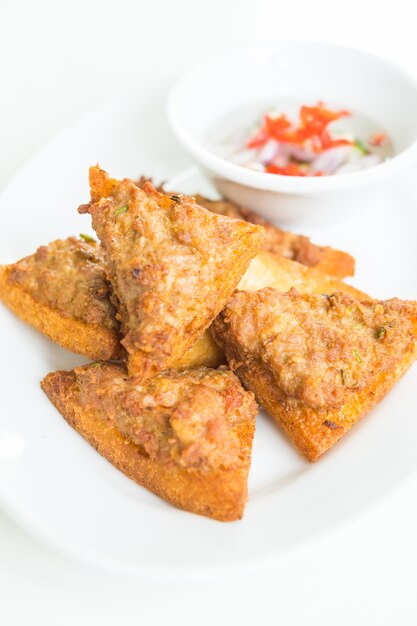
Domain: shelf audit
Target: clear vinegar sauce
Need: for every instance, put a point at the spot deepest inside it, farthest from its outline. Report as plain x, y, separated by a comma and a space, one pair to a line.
228, 137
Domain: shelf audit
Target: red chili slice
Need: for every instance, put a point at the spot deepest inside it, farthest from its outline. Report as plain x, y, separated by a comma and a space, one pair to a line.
292, 169
311, 133
378, 139
258, 140
275, 126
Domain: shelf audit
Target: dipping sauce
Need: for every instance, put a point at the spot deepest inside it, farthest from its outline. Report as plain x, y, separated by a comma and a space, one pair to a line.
304, 141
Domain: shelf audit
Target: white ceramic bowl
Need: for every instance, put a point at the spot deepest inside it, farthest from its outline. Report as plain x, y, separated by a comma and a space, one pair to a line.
307, 72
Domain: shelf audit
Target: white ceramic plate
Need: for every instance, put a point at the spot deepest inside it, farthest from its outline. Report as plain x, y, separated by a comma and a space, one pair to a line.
58, 487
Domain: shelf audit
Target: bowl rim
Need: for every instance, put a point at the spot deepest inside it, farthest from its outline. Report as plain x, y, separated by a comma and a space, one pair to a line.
276, 182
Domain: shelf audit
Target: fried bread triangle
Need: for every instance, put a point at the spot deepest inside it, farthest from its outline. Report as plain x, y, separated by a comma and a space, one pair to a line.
173, 266
317, 363
186, 436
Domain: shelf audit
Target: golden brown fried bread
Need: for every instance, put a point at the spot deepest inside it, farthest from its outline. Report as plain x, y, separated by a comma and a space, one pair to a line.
62, 291
317, 363
269, 270
287, 244
186, 436
204, 351
172, 264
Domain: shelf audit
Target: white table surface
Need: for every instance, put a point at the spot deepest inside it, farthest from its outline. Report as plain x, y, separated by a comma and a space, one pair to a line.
59, 60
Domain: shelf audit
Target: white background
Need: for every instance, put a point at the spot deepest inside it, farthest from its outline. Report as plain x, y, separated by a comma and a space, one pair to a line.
59, 60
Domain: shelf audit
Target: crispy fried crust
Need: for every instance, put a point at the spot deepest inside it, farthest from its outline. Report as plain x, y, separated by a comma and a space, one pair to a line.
218, 493
95, 341
172, 264
298, 354
287, 244
62, 290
